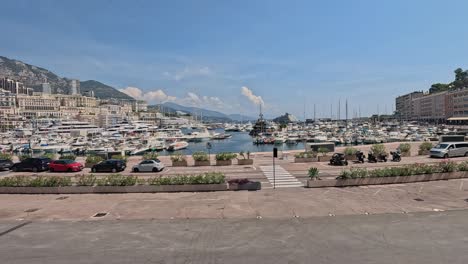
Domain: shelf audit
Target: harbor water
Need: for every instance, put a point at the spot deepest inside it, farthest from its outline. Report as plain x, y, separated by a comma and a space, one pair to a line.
240, 141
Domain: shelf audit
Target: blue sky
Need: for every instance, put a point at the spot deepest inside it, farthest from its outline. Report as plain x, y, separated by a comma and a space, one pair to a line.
289, 53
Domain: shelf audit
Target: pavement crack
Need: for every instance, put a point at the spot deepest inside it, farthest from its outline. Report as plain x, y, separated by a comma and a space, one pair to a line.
15, 228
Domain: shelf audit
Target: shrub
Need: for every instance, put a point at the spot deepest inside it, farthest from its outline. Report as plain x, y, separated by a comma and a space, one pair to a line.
24, 156
378, 149
119, 157
86, 180
41, 181
323, 150
92, 159
306, 155
117, 180
205, 178
15, 181
313, 173
178, 157
226, 156
5, 156
49, 155
425, 147
242, 154
200, 156
150, 156
463, 166
405, 148
350, 151
408, 170
68, 157
447, 166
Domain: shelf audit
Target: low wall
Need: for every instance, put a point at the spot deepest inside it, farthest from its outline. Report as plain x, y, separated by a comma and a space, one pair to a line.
385, 180
115, 189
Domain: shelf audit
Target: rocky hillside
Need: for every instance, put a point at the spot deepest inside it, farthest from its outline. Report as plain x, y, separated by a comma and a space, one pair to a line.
33, 76
102, 90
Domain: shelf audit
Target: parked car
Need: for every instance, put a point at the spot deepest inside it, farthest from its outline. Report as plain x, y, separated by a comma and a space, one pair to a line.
32, 164
449, 150
5, 164
65, 165
149, 166
112, 165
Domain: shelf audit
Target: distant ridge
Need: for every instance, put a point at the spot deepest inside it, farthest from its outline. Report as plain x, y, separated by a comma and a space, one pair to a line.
208, 115
33, 76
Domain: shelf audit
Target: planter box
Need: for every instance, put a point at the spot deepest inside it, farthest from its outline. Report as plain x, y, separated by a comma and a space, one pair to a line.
424, 153
324, 158
305, 160
350, 157
223, 162
251, 186
182, 163
89, 165
245, 162
199, 163
386, 180
115, 189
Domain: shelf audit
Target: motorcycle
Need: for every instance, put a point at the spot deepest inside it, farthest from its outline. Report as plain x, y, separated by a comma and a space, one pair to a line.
396, 156
338, 159
360, 157
374, 159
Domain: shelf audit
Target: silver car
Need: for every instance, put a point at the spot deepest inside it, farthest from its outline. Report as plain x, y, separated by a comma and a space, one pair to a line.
149, 166
450, 149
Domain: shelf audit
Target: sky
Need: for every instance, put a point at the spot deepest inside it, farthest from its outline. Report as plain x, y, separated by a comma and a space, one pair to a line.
233, 56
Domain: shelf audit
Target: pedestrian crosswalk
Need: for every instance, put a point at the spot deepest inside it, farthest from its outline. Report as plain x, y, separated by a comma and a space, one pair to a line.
282, 179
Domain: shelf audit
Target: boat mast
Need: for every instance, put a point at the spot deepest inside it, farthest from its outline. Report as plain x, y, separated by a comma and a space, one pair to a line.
339, 109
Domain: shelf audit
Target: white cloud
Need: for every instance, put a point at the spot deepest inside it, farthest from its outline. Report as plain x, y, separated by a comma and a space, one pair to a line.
158, 96
257, 100
188, 72
191, 99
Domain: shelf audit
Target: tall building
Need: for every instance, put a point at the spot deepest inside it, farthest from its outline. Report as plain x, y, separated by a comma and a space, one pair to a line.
404, 105
430, 107
46, 89
75, 87
457, 108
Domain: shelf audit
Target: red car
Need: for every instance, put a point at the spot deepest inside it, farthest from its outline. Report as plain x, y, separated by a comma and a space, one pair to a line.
65, 165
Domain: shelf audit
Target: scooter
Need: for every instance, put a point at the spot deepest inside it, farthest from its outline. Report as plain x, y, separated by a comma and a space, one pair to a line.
360, 157
338, 159
374, 159
371, 158
396, 156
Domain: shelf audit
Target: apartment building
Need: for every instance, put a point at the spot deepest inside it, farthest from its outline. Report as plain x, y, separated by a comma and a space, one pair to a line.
38, 106
430, 107
404, 105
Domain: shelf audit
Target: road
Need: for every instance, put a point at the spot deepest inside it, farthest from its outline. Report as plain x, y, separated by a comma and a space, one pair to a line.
430, 238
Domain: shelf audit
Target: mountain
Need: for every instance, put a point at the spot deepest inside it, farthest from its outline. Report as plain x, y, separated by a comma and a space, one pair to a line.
33, 76
208, 115
238, 117
102, 90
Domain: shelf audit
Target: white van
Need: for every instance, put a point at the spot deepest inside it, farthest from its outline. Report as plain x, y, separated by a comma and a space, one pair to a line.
450, 149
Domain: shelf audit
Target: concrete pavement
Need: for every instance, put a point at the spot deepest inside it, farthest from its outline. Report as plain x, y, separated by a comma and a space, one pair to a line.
269, 203
429, 238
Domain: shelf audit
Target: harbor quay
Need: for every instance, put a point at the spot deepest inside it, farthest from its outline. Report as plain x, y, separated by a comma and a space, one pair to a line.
254, 172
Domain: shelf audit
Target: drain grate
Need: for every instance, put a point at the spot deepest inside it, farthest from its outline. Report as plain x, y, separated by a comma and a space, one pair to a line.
100, 215
31, 210
62, 198
419, 200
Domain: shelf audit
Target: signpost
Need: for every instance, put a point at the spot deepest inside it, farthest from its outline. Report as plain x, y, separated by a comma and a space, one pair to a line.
275, 155
208, 147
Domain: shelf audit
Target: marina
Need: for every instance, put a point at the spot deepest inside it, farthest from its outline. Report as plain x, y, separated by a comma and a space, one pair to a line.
138, 138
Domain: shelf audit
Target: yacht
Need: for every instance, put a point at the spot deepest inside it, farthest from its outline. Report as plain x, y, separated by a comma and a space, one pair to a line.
178, 145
